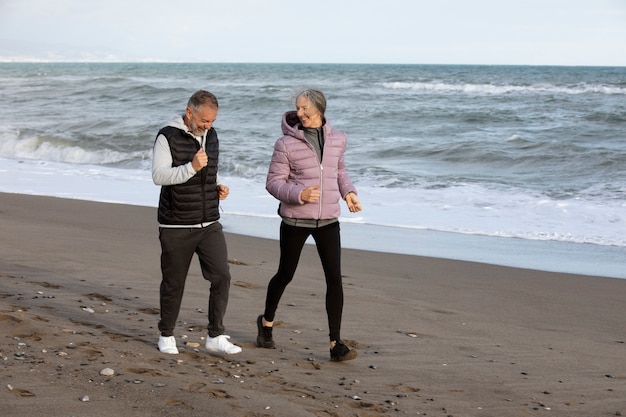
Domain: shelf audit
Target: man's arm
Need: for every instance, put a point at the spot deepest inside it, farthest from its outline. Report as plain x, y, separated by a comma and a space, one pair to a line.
162, 171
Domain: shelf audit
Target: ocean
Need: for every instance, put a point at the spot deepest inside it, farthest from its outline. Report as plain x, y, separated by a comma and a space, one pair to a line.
513, 165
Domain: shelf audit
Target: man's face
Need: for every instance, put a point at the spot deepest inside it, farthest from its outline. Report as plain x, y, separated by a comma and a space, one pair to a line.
201, 119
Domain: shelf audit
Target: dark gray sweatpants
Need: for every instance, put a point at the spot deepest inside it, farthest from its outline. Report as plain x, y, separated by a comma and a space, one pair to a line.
177, 249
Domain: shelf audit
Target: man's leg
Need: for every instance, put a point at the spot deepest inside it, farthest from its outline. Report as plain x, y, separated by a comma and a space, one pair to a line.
177, 249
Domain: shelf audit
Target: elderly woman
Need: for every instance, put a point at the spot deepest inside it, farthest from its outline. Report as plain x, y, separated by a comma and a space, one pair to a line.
307, 174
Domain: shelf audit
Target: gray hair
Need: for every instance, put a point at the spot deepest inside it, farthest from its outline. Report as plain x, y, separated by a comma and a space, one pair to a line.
317, 99
201, 98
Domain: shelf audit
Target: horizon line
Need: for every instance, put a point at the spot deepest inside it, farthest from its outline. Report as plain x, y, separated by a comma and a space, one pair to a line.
71, 61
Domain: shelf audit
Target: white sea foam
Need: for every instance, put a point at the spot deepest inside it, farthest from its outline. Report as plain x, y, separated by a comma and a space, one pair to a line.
495, 89
471, 209
36, 148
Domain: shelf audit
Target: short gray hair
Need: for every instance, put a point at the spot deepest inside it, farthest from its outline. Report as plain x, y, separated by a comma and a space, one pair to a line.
201, 98
317, 99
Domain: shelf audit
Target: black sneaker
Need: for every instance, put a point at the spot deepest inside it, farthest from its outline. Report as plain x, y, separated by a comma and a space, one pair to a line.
342, 352
264, 337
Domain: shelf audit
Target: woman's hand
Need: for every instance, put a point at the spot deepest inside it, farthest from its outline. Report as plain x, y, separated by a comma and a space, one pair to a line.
310, 194
354, 205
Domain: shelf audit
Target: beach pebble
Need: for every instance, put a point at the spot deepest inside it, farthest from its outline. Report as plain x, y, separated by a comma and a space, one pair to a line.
107, 372
88, 309
85, 398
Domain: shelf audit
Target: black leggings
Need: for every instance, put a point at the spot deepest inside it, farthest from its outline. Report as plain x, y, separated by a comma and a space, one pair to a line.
327, 240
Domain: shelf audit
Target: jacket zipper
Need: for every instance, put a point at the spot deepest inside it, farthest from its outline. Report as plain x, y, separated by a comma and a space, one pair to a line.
319, 214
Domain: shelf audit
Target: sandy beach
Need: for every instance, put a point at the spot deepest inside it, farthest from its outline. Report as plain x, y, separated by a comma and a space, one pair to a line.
79, 294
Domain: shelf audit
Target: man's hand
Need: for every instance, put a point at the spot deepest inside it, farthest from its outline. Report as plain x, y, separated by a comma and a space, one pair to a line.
200, 160
222, 191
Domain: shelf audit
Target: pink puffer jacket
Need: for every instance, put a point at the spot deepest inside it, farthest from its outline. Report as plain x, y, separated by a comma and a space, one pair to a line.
295, 166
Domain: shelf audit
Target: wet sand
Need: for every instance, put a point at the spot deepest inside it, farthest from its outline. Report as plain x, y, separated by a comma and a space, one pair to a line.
79, 293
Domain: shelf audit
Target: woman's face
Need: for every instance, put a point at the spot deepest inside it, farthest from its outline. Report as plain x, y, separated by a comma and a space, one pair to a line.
307, 113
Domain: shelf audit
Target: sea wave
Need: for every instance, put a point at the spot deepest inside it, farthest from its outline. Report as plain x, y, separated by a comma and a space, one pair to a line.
492, 89
56, 150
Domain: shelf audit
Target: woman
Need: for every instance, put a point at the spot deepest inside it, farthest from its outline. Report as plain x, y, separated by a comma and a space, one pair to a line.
308, 176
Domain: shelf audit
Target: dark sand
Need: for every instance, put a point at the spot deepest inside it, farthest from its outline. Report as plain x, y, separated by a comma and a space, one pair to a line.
79, 293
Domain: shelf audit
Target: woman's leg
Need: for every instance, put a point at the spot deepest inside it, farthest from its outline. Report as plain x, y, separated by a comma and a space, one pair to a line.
291, 242
328, 242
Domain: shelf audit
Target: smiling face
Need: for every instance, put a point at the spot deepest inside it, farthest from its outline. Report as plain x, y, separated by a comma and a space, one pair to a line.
308, 114
200, 119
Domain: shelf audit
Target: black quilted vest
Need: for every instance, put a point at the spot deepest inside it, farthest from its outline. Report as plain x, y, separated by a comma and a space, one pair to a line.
195, 201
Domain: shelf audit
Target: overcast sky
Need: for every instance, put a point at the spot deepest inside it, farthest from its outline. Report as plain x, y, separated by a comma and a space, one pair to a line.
528, 32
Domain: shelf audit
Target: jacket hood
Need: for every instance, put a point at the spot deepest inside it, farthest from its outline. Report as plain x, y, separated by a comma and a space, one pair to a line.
177, 122
291, 125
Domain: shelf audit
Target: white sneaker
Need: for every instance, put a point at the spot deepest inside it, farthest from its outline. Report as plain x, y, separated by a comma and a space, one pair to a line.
220, 344
168, 345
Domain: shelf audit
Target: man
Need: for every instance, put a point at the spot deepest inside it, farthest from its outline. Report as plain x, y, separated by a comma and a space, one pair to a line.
184, 164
